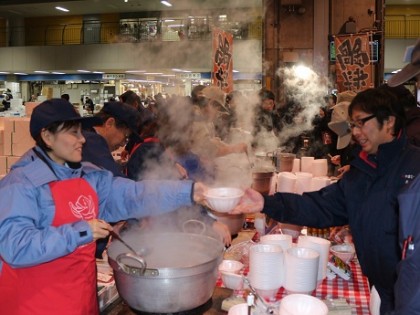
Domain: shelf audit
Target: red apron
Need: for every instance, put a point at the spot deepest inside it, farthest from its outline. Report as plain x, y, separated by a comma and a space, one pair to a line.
66, 285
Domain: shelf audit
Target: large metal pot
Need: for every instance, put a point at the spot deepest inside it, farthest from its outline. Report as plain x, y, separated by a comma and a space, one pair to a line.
175, 272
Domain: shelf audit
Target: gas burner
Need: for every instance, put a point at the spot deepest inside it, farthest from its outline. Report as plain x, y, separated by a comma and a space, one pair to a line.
196, 311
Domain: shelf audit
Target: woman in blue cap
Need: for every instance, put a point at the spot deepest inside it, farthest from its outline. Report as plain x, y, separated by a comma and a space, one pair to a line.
53, 210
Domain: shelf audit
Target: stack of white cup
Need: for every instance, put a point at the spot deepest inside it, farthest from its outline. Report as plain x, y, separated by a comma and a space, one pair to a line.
266, 269
322, 246
283, 240
301, 266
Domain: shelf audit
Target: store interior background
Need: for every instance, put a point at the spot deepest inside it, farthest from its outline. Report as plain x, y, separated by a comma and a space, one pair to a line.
101, 48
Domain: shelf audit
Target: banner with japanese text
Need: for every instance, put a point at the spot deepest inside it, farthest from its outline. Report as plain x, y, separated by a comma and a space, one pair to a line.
222, 72
353, 64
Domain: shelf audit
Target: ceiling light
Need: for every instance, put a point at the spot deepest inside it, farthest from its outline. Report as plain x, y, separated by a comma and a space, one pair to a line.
155, 73
55, 72
83, 71
166, 3
3, 72
125, 1
98, 72
62, 9
135, 71
20, 73
39, 71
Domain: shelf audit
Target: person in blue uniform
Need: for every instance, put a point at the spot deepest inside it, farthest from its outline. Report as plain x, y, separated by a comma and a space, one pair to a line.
53, 209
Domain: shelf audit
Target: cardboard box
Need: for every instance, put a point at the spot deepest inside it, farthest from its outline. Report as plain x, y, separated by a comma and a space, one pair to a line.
10, 160
3, 165
7, 143
29, 107
21, 127
19, 149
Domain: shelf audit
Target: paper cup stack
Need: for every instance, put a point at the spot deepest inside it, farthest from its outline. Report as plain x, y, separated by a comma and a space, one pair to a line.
322, 246
266, 269
283, 240
301, 266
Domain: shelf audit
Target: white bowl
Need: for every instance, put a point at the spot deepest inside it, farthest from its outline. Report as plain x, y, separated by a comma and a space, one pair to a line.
232, 281
344, 251
301, 304
239, 309
232, 266
223, 199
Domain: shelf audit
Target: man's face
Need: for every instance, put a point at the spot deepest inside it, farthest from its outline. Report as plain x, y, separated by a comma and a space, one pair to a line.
368, 132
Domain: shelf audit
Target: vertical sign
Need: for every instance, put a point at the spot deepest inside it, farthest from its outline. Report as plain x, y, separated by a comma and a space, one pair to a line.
222, 72
353, 63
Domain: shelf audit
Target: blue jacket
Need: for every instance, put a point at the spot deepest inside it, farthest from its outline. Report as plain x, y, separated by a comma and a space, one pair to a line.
366, 199
407, 288
27, 237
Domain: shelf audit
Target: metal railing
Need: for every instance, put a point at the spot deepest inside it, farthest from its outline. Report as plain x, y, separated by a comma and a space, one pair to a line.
117, 32
402, 26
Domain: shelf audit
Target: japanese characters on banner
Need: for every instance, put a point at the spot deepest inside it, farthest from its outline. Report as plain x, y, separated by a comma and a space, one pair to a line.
222, 72
353, 64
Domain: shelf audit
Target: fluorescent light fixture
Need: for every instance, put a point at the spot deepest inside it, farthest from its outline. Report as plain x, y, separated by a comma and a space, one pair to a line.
99, 72
166, 3
135, 71
55, 72
235, 71
176, 25
180, 70
20, 73
40, 71
170, 20
62, 9
3, 72
155, 73
83, 71
168, 75
396, 71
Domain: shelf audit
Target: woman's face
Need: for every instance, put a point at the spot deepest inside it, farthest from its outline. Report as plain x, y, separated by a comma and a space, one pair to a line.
65, 145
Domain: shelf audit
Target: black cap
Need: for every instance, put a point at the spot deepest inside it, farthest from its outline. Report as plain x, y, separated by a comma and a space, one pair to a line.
57, 110
124, 113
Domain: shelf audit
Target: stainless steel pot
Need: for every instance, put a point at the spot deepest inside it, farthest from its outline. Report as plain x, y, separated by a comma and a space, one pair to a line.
177, 272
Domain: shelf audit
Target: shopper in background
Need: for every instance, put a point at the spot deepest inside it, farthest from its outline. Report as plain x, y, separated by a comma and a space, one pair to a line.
407, 288
53, 209
366, 197
119, 122
66, 97
412, 112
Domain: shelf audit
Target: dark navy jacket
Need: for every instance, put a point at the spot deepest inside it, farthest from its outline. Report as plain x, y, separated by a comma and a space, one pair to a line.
96, 151
407, 288
366, 199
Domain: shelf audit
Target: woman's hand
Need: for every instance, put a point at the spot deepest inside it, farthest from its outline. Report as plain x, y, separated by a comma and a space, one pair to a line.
251, 202
198, 193
99, 228
223, 231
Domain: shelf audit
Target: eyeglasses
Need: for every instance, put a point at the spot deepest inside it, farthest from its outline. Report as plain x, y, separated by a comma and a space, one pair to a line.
359, 123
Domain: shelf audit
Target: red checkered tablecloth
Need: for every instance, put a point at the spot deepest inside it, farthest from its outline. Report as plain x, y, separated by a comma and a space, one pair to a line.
355, 291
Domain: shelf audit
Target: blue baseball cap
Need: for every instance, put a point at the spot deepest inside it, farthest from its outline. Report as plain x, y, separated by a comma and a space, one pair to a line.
57, 110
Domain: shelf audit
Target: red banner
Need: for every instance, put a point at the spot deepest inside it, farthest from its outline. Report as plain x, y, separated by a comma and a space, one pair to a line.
353, 65
222, 72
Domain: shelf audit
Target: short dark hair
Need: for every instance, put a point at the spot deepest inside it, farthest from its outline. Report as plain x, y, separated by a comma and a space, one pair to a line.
130, 97
66, 97
380, 103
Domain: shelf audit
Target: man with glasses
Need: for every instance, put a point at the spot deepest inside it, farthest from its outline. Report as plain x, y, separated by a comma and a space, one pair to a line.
366, 196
